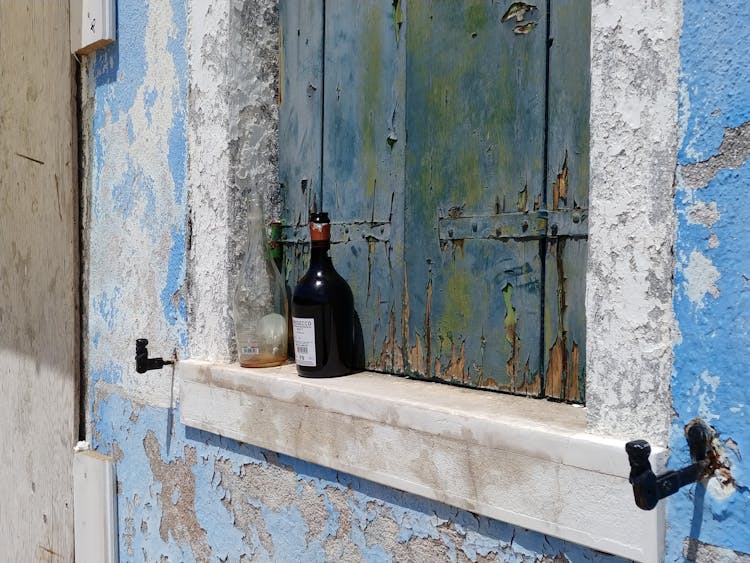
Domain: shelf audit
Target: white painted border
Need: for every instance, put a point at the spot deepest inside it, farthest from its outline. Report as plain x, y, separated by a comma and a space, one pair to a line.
523, 461
630, 327
630, 322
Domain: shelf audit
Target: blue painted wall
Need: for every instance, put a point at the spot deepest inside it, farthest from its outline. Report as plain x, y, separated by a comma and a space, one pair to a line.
712, 282
191, 495
195, 496
185, 494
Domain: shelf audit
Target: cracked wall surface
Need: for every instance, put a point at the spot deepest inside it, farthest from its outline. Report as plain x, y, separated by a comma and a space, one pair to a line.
629, 314
179, 125
708, 522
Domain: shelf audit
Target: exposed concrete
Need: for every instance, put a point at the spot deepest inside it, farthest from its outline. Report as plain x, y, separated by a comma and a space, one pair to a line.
699, 552
733, 152
630, 328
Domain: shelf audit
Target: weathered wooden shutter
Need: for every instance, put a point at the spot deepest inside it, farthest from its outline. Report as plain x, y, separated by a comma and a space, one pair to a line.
450, 148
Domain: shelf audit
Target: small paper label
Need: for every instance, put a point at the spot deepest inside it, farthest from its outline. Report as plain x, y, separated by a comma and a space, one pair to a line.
247, 342
304, 341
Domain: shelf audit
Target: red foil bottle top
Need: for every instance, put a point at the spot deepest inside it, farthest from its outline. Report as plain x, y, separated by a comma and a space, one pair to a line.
320, 227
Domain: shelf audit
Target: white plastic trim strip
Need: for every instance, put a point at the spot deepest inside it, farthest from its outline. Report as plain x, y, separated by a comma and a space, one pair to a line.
94, 506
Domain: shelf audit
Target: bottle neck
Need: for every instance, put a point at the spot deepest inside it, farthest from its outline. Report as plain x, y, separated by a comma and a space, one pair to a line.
319, 252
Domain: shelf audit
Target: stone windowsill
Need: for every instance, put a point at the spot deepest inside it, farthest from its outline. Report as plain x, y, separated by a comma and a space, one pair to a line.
527, 462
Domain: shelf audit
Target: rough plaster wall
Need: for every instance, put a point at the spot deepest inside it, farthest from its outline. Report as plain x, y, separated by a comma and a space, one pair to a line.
708, 522
192, 496
208, 177
185, 495
233, 145
630, 329
135, 198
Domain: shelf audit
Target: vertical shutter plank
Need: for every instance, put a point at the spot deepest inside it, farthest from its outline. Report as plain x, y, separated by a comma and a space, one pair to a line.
567, 190
475, 119
300, 126
363, 159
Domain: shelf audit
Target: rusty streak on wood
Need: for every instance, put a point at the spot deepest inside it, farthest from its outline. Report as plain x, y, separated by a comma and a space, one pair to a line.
572, 388
428, 330
555, 368
530, 386
458, 244
455, 371
511, 335
560, 187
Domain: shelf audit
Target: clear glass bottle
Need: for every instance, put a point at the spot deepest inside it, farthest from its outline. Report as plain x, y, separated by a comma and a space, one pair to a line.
260, 310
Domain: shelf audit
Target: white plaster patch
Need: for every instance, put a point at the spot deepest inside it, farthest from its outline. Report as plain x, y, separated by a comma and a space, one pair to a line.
629, 309
704, 389
209, 322
700, 278
713, 240
702, 213
720, 487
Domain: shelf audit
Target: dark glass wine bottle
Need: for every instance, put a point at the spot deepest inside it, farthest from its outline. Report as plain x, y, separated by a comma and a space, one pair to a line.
322, 311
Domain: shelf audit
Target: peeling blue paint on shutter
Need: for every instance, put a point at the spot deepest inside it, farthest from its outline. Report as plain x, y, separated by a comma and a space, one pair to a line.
567, 199
475, 120
454, 140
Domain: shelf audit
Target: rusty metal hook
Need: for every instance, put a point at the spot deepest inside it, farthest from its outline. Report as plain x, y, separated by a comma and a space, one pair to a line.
649, 488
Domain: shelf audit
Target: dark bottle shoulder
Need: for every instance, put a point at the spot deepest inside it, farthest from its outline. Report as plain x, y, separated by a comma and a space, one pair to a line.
322, 284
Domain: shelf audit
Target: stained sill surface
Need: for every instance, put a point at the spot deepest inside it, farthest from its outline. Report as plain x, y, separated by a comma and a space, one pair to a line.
524, 461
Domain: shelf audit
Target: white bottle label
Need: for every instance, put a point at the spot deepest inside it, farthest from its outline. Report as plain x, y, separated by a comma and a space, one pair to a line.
304, 341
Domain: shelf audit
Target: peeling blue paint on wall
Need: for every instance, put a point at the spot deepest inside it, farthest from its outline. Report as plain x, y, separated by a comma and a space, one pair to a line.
182, 493
177, 135
136, 236
172, 296
716, 78
712, 282
247, 501
120, 68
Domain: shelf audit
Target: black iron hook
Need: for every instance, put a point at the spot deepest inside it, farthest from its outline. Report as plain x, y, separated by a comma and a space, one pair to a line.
142, 362
649, 488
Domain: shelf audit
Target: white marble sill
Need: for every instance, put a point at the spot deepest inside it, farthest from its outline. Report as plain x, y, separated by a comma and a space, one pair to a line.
527, 462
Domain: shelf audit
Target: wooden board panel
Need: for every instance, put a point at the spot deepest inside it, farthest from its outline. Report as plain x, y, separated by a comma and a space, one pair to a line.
363, 161
484, 309
300, 106
39, 318
475, 120
567, 191
564, 327
300, 124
